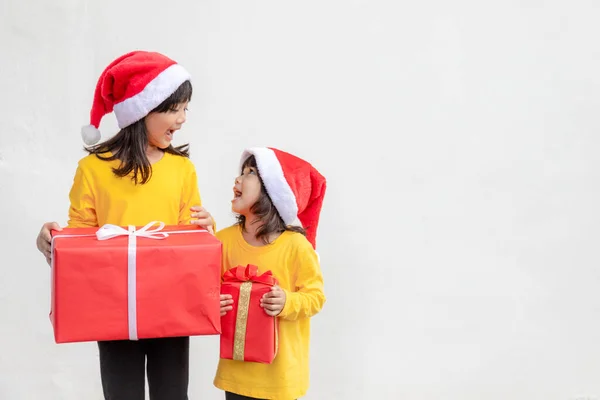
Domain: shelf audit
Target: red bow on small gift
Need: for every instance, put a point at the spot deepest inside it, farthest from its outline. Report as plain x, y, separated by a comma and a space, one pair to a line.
249, 273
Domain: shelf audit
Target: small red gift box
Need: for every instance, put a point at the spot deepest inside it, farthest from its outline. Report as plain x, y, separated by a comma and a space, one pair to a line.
117, 284
248, 332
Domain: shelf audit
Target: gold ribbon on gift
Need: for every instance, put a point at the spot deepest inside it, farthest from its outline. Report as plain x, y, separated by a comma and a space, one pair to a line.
241, 321
247, 275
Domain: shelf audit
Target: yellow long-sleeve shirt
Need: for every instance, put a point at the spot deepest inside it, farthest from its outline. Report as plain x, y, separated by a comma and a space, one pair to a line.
99, 197
295, 264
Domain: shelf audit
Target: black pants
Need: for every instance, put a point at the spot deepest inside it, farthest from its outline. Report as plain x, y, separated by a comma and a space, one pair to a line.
122, 365
233, 396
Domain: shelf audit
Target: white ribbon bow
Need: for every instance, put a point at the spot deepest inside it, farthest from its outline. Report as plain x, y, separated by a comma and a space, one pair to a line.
110, 231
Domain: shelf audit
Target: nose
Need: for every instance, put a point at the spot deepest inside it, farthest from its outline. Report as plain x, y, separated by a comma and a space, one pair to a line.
182, 117
238, 179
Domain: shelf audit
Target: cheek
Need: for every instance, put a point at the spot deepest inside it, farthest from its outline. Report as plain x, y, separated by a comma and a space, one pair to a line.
150, 127
255, 194
156, 125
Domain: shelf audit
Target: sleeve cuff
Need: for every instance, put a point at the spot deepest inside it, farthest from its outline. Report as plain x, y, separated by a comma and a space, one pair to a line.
288, 304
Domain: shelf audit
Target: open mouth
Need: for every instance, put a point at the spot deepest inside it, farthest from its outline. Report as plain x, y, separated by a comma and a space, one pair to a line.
237, 194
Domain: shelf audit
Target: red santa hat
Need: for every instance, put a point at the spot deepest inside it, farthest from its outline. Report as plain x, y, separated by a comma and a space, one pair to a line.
132, 86
295, 187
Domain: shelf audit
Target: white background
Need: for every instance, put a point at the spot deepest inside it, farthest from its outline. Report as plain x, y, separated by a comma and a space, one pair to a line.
460, 141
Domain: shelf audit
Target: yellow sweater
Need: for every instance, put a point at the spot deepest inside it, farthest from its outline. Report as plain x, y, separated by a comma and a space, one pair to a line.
295, 264
99, 197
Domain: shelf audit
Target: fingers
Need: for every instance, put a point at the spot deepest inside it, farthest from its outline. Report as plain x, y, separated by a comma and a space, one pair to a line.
272, 295
273, 302
44, 238
43, 245
45, 248
202, 218
204, 222
200, 215
226, 303
225, 310
45, 231
276, 291
53, 226
273, 313
199, 212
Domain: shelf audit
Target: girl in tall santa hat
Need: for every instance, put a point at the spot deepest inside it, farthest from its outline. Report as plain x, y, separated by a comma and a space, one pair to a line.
278, 199
135, 177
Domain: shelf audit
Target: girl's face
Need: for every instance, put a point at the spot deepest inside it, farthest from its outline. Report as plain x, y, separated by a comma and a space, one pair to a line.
246, 191
162, 125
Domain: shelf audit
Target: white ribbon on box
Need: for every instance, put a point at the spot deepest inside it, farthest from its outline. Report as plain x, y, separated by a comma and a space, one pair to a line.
110, 231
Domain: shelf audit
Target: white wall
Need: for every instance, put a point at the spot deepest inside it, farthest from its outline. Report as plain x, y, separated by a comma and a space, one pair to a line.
459, 233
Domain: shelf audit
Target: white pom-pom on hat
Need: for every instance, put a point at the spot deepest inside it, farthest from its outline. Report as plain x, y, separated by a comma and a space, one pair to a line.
90, 135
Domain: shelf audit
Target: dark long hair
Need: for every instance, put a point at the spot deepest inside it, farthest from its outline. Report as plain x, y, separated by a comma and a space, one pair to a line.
130, 144
266, 213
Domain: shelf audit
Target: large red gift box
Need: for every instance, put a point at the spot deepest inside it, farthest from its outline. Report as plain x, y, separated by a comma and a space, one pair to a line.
113, 283
248, 332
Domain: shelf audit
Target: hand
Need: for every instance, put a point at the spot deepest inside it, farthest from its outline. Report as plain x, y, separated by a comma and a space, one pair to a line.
44, 239
226, 303
203, 218
274, 301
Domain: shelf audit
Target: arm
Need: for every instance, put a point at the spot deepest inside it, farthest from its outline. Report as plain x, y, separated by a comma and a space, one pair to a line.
82, 211
190, 196
191, 211
308, 298
226, 299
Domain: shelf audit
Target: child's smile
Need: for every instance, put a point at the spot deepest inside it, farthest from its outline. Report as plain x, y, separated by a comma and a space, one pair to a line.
246, 191
169, 134
162, 126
